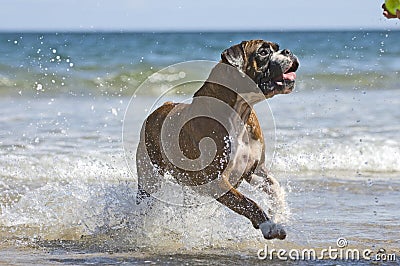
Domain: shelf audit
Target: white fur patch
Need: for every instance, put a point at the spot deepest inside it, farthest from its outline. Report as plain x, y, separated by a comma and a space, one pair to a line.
271, 230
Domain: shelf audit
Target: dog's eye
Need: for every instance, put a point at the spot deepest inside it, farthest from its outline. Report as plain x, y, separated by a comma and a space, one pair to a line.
263, 52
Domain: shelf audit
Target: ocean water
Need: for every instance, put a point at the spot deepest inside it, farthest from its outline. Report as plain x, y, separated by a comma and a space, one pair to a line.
67, 192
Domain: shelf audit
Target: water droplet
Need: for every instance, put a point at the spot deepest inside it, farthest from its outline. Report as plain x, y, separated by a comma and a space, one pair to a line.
114, 111
39, 87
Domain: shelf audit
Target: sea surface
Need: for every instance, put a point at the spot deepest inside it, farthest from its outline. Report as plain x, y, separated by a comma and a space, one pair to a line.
67, 190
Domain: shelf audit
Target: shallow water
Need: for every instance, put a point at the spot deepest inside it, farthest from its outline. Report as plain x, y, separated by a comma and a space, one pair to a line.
321, 212
67, 195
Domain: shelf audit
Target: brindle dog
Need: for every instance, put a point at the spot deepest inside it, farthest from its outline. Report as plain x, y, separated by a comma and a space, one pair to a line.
272, 71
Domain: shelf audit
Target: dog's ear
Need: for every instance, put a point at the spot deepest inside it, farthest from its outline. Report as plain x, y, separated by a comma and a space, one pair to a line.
234, 56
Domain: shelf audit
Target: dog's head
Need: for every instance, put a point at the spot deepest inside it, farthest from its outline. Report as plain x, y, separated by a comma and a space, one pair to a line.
272, 69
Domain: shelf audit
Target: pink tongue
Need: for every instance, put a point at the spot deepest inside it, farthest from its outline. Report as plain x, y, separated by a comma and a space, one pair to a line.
289, 76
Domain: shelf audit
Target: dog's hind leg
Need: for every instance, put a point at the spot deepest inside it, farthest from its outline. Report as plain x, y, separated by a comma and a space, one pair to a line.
149, 160
147, 173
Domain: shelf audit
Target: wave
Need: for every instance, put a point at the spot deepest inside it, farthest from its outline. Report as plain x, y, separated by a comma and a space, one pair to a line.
87, 201
94, 207
354, 155
124, 83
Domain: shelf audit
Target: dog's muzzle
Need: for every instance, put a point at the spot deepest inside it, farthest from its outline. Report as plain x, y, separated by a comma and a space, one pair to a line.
276, 77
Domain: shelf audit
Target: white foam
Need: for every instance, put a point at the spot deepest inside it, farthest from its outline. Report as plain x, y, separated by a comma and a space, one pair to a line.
347, 155
101, 210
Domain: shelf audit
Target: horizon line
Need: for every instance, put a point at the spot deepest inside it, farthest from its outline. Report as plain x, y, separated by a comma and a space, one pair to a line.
327, 29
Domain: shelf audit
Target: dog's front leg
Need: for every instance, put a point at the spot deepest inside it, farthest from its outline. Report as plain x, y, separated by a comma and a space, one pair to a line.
268, 184
242, 205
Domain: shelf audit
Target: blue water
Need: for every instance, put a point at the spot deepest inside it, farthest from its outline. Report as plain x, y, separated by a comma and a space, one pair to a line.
118, 62
66, 189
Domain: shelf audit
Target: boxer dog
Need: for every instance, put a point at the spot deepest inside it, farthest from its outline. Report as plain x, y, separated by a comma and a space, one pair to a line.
271, 71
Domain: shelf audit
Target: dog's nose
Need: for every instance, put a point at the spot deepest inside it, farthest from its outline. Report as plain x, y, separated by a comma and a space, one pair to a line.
286, 52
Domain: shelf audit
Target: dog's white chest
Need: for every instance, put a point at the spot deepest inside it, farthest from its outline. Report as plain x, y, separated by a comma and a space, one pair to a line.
245, 152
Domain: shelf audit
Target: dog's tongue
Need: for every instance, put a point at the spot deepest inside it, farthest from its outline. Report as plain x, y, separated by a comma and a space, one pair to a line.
289, 76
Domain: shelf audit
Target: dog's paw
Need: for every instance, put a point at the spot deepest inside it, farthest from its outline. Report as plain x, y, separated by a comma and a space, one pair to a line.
271, 230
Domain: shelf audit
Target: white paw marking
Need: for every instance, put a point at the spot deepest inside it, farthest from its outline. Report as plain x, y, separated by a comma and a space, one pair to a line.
271, 230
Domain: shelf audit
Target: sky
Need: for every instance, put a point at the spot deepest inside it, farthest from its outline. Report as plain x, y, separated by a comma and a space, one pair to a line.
186, 15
